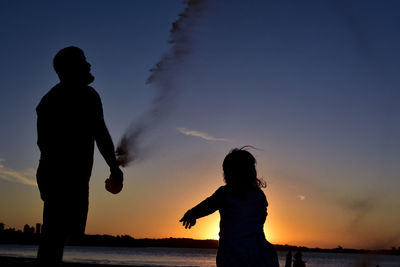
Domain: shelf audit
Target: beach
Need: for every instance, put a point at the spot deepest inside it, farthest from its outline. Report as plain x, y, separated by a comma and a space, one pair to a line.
29, 262
91, 256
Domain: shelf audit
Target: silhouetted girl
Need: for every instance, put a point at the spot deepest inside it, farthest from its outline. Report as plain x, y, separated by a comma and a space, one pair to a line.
243, 210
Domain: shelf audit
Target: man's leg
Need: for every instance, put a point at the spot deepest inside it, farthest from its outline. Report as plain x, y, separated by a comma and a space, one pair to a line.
50, 251
63, 215
53, 236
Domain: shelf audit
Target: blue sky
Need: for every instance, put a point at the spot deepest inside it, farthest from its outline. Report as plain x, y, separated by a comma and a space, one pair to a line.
312, 85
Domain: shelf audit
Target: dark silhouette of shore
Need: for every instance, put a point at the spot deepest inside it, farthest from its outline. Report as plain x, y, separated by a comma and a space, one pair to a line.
30, 237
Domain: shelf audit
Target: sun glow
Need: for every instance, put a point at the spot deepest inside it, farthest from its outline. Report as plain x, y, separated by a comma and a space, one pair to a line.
211, 231
214, 231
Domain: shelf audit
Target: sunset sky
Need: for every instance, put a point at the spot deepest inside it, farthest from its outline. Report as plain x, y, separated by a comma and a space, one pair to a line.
313, 85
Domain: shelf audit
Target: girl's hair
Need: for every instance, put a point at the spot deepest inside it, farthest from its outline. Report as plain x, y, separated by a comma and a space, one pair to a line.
240, 169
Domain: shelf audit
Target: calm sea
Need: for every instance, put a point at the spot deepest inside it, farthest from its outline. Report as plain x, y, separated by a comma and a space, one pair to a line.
191, 257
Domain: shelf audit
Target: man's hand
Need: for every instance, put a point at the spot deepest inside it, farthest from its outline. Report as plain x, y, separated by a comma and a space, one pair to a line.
117, 175
114, 183
188, 220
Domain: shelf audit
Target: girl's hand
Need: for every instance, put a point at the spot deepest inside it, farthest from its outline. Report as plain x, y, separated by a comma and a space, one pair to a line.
188, 220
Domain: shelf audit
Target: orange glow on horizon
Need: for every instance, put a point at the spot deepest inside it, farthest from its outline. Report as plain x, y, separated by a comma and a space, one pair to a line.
213, 229
144, 210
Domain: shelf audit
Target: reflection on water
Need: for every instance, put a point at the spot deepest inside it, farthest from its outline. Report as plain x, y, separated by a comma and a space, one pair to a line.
190, 256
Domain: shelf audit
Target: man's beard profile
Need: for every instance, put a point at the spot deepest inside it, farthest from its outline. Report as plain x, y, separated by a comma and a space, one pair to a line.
89, 78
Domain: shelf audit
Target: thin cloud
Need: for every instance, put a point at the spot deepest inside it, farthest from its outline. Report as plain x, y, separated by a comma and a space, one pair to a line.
301, 197
22, 177
202, 135
360, 207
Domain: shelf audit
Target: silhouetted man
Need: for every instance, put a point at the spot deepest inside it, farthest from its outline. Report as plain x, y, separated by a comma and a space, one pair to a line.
70, 120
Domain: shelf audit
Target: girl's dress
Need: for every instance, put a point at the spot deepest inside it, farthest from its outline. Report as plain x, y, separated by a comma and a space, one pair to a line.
242, 241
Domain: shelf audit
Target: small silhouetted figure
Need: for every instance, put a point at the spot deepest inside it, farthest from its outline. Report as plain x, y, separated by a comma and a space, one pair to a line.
298, 260
288, 262
69, 123
243, 209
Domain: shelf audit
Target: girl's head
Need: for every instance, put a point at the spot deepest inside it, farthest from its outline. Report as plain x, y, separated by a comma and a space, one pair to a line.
240, 169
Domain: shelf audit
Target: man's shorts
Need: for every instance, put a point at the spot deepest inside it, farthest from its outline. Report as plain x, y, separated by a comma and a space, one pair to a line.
65, 213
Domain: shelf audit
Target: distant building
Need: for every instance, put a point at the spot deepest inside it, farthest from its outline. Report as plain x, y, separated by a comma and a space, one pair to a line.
1, 227
28, 229
38, 228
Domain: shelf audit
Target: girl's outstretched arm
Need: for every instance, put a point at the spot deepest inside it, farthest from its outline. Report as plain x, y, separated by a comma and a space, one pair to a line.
206, 207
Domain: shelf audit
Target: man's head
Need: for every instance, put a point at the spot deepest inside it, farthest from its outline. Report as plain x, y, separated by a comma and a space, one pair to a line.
71, 66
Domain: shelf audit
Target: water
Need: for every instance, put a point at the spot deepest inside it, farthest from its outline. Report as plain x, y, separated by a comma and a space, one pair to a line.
191, 257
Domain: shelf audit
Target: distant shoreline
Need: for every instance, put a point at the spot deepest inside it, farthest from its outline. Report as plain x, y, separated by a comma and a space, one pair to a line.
16, 237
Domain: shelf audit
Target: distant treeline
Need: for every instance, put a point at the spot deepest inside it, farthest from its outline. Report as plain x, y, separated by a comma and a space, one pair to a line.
30, 237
